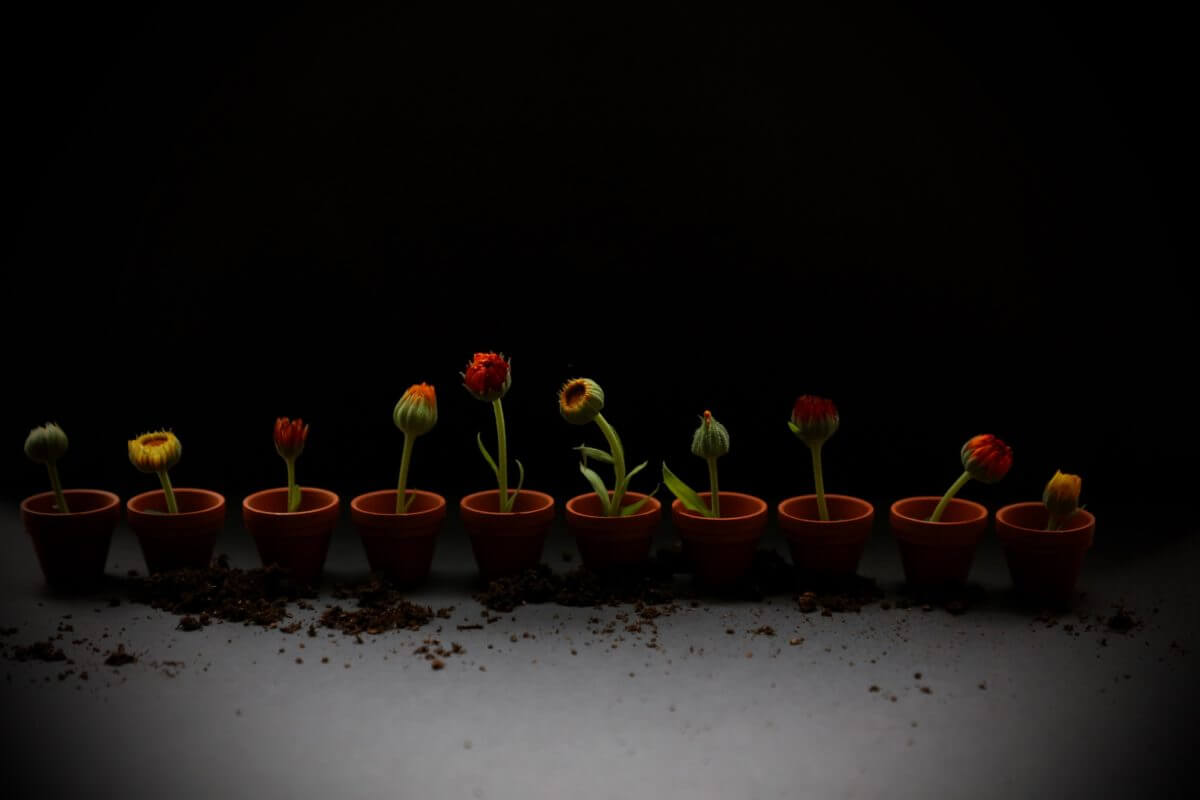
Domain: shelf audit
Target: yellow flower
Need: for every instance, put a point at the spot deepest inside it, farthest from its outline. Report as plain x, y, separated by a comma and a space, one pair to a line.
1062, 494
155, 452
580, 400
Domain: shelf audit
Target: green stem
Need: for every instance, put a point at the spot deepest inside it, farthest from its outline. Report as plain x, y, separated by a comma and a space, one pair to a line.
945, 501
172, 508
59, 498
820, 478
618, 454
293, 489
712, 482
401, 493
506, 502
1053, 523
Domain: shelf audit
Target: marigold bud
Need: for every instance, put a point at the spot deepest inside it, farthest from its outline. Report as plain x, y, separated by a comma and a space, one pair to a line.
416, 412
986, 458
1062, 494
155, 452
814, 419
488, 376
711, 440
580, 400
290, 437
46, 443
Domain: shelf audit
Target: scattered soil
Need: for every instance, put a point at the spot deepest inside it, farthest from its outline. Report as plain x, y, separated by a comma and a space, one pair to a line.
380, 607
120, 657
39, 651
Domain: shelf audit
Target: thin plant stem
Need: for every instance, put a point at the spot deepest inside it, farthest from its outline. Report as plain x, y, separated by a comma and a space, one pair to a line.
401, 492
618, 454
506, 502
60, 499
172, 508
945, 501
712, 482
293, 503
822, 508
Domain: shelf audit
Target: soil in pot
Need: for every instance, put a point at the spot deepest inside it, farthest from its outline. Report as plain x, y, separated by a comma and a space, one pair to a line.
937, 554
185, 539
399, 546
506, 543
298, 540
612, 542
721, 549
72, 548
1044, 564
826, 547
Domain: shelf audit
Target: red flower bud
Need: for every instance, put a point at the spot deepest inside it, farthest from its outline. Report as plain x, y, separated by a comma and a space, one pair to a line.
986, 458
488, 376
290, 437
814, 419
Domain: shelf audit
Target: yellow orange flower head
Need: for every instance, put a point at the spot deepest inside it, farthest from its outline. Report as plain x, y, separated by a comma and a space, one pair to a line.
155, 452
580, 400
416, 412
1062, 494
46, 443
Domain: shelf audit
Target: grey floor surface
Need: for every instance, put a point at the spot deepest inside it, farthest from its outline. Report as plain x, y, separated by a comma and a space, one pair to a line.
1016, 707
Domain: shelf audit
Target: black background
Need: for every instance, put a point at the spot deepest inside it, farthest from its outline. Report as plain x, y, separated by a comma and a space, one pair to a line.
950, 221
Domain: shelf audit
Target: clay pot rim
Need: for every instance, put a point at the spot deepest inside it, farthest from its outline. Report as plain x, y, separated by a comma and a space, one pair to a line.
761, 511
979, 507
438, 507
465, 504
870, 512
113, 500
331, 497
653, 506
1088, 520
220, 502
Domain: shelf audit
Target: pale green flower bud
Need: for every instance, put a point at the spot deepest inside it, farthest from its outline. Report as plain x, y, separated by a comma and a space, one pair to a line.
416, 412
46, 443
711, 440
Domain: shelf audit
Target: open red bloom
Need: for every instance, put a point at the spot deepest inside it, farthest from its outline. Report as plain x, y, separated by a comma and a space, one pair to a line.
487, 376
290, 436
987, 458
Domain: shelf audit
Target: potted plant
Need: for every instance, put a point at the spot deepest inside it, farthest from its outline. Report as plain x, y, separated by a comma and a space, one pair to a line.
398, 526
938, 536
176, 528
826, 533
719, 529
612, 527
292, 524
72, 528
507, 526
1044, 543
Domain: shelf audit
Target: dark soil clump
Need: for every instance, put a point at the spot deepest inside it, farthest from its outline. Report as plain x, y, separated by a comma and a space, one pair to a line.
120, 657
581, 587
39, 651
381, 607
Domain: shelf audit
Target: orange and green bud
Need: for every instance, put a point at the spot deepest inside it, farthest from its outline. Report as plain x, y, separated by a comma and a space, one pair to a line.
580, 400
814, 419
488, 376
1061, 497
986, 458
416, 412
290, 437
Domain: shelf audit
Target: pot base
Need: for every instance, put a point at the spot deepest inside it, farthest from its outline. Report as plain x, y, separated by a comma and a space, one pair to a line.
399, 546
72, 549
721, 549
299, 540
505, 543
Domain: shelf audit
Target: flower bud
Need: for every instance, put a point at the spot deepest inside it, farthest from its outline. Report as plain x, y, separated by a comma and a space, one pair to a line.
814, 419
488, 376
580, 400
416, 411
46, 443
1062, 494
986, 458
290, 437
155, 452
711, 440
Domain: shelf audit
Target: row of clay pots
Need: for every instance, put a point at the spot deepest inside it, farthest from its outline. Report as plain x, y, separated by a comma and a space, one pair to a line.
73, 547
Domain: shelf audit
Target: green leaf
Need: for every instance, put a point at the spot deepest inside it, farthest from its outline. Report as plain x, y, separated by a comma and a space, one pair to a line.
486, 455
598, 486
592, 452
792, 427
633, 472
520, 476
633, 508
691, 501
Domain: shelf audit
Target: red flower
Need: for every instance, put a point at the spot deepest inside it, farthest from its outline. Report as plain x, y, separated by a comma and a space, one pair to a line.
987, 458
814, 419
290, 437
488, 376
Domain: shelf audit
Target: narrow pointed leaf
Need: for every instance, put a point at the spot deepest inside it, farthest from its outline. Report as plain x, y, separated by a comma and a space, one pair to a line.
691, 501
634, 508
598, 486
521, 476
792, 427
634, 471
592, 452
486, 455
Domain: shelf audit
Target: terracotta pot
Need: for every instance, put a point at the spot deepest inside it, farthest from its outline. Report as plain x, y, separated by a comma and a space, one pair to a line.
1044, 564
72, 548
606, 542
507, 542
721, 549
295, 540
184, 539
831, 547
399, 545
937, 553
